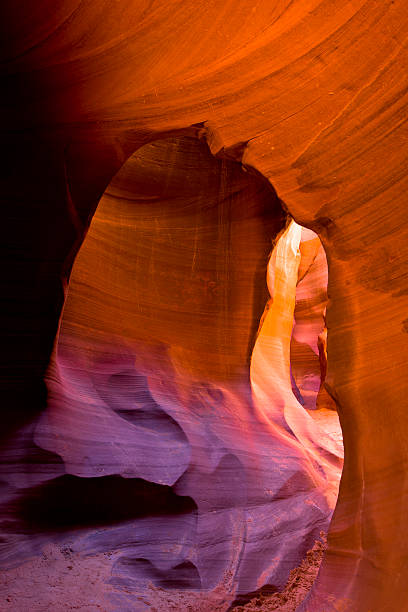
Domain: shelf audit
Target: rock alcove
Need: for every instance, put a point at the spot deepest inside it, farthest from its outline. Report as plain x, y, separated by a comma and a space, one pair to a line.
158, 430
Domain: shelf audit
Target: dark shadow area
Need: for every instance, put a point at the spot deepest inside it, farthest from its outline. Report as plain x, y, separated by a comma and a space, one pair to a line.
70, 501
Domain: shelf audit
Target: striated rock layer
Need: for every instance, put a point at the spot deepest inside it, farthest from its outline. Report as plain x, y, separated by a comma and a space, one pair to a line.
308, 350
149, 378
313, 96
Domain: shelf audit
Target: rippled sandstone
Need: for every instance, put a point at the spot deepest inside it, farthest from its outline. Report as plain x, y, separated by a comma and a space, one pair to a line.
313, 97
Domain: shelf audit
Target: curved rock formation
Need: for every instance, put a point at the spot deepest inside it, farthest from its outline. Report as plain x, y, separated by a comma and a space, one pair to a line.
308, 356
150, 373
310, 94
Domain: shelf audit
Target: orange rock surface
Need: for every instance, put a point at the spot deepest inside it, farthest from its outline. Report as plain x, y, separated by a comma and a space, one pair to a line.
310, 94
150, 374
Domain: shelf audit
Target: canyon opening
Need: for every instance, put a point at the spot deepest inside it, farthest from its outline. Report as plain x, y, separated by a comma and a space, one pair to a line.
190, 356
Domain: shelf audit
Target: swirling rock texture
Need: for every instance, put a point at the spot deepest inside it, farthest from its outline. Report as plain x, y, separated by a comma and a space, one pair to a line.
149, 382
311, 96
308, 354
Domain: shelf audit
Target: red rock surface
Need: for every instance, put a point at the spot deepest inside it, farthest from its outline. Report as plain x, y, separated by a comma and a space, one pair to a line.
150, 375
313, 96
307, 366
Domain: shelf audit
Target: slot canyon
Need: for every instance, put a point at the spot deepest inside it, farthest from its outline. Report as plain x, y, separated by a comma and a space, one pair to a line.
204, 314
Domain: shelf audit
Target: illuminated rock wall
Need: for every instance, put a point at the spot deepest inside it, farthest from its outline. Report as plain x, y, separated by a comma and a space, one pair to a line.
149, 379
312, 95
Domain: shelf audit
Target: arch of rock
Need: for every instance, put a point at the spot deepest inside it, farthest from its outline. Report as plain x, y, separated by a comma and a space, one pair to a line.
310, 95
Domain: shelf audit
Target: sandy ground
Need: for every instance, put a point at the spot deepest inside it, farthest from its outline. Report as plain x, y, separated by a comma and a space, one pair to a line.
57, 581
61, 581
